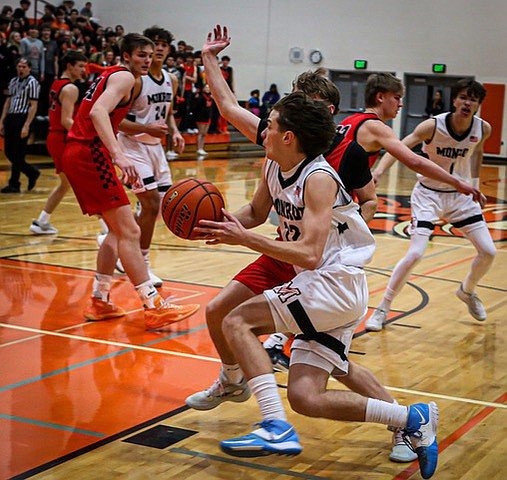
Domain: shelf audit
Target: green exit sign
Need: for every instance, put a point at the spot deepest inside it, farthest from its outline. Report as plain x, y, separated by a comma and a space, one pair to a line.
439, 67
360, 64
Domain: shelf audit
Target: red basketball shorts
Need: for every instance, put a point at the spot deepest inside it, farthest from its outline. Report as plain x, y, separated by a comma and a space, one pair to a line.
265, 273
55, 143
90, 171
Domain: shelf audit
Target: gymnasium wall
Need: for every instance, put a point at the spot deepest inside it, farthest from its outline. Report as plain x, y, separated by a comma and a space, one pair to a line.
394, 35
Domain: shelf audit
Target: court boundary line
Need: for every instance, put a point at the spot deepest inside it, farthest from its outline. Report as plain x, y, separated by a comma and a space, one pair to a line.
242, 463
216, 360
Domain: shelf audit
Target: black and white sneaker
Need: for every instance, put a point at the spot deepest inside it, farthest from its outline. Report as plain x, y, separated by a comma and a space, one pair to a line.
279, 360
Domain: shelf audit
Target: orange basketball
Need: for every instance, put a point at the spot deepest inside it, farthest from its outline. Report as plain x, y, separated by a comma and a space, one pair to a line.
188, 201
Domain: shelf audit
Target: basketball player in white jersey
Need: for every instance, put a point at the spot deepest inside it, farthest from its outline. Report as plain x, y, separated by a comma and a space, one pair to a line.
148, 121
455, 142
328, 242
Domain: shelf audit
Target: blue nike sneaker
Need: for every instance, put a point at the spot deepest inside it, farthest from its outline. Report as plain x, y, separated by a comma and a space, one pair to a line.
422, 429
273, 436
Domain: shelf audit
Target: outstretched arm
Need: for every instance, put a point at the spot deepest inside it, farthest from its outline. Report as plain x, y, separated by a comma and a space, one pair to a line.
307, 251
417, 163
246, 122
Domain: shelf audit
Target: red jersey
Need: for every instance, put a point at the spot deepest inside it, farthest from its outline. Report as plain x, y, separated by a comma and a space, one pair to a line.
190, 71
349, 126
83, 128
55, 108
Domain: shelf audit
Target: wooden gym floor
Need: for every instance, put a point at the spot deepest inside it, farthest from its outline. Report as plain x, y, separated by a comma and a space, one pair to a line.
106, 400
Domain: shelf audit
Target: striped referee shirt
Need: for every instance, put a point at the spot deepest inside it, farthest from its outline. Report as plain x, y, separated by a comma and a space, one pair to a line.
21, 91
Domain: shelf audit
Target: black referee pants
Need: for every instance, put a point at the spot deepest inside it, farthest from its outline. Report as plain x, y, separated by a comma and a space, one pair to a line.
15, 148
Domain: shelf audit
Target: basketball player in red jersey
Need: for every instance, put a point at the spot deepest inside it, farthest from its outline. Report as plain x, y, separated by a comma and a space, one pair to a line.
88, 161
383, 99
64, 96
266, 272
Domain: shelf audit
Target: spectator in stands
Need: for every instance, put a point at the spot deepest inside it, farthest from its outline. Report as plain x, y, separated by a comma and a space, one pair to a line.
88, 47
201, 109
108, 57
269, 98
65, 42
4, 27
49, 14
60, 23
50, 51
20, 14
254, 103
72, 18
189, 80
67, 5
227, 71
181, 47
7, 12
170, 64
86, 11
436, 104
33, 49
120, 31
111, 42
14, 43
7, 67
16, 26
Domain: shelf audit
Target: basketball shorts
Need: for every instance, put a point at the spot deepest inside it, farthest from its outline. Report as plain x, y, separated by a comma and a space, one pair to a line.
92, 175
333, 302
265, 273
150, 163
55, 143
428, 206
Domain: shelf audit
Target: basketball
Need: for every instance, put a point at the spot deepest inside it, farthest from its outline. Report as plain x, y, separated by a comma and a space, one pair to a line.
188, 201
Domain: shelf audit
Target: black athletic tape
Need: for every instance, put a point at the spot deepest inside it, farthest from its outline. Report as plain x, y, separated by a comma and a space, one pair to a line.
469, 221
309, 333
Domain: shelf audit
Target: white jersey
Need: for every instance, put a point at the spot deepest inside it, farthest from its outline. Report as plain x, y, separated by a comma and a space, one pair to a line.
451, 151
152, 105
349, 242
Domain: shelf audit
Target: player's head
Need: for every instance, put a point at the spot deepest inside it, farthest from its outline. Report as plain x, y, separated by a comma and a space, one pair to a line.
161, 39
381, 83
157, 33
318, 87
135, 52
470, 88
310, 121
74, 63
131, 41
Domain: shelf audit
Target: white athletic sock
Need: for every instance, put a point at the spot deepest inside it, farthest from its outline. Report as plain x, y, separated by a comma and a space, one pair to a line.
378, 411
44, 217
233, 373
276, 340
266, 393
102, 286
148, 295
386, 302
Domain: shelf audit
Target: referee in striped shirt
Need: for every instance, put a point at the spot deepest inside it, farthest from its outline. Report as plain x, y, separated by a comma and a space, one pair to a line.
17, 116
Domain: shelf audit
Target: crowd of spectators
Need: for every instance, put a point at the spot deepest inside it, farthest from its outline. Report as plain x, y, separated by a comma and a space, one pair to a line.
44, 40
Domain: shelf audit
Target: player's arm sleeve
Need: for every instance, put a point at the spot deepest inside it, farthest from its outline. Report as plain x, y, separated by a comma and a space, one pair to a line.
263, 124
360, 174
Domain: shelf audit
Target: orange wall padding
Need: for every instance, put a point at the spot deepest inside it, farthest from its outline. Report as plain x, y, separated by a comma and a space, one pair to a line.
492, 111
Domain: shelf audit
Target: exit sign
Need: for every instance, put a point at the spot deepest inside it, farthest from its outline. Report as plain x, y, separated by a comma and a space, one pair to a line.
439, 67
360, 64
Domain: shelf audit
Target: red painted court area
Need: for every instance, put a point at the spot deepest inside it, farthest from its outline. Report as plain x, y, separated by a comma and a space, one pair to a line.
66, 383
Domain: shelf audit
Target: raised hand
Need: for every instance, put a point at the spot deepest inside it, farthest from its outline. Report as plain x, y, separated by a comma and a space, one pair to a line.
217, 41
